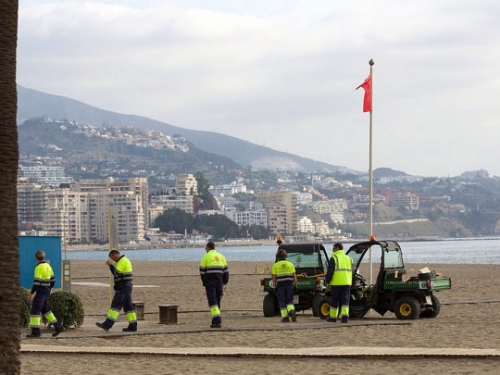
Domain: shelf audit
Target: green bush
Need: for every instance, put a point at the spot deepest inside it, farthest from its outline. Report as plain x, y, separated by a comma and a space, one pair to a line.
25, 307
68, 308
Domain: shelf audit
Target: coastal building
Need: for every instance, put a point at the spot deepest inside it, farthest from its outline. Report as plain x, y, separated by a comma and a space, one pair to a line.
405, 199
44, 175
137, 185
306, 225
276, 218
31, 200
80, 214
186, 184
288, 200
228, 189
334, 207
248, 217
182, 202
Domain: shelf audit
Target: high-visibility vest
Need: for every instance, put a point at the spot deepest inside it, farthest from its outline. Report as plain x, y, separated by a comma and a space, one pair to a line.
44, 278
343, 269
123, 270
284, 271
213, 266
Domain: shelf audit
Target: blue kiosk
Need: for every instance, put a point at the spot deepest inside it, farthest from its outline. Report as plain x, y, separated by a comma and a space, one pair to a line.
28, 246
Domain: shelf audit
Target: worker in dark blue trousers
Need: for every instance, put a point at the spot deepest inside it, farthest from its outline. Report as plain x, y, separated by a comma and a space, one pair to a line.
214, 275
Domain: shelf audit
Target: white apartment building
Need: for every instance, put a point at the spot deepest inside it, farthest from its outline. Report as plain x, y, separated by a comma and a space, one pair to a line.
248, 217
410, 200
276, 218
153, 213
182, 202
66, 215
321, 228
137, 185
331, 205
306, 225
288, 200
186, 184
81, 215
44, 175
161, 203
334, 207
31, 199
228, 189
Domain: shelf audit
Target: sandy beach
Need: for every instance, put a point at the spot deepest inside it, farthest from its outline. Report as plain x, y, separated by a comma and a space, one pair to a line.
469, 319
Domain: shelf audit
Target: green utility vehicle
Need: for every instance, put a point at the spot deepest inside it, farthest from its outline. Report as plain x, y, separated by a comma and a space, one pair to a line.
407, 297
310, 261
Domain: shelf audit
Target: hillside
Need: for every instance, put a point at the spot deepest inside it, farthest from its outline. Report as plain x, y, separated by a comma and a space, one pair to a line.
96, 152
33, 104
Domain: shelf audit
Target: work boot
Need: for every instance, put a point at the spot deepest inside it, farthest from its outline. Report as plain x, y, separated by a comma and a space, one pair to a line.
285, 320
101, 325
57, 332
331, 320
129, 329
293, 315
345, 319
215, 325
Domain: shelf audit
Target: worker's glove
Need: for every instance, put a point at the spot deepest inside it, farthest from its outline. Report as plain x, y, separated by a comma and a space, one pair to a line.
224, 291
295, 289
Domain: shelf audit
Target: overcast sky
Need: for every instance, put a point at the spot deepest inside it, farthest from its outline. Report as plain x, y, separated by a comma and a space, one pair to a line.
283, 73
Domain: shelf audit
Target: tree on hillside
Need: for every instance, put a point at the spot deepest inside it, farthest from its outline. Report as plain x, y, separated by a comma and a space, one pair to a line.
174, 220
204, 200
10, 333
219, 226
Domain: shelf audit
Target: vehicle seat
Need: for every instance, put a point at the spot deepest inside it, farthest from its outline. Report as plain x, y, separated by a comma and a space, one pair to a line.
395, 274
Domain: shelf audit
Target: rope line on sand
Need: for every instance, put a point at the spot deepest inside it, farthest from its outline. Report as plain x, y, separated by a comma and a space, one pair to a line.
260, 310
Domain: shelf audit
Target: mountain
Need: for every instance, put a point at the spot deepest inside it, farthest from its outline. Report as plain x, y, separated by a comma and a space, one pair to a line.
87, 151
32, 104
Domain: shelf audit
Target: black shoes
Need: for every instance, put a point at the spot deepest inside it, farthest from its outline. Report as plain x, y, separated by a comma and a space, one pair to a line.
100, 325
129, 329
345, 319
285, 320
33, 336
57, 332
215, 325
330, 319
293, 315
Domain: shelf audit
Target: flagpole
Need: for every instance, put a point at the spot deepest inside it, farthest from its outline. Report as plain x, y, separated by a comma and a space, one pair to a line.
367, 85
371, 63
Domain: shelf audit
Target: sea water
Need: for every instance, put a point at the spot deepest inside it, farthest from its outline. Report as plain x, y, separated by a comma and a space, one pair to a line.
453, 251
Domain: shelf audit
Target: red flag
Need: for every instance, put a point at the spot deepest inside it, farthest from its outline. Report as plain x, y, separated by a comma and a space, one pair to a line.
367, 86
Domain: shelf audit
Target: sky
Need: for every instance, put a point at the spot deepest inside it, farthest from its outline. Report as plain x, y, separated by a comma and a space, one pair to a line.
283, 73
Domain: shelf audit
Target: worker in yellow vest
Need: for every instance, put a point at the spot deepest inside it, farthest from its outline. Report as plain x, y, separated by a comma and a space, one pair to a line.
214, 275
339, 278
284, 280
40, 292
121, 269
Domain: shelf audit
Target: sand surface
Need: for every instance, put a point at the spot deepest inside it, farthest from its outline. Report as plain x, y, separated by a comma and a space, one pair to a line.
469, 318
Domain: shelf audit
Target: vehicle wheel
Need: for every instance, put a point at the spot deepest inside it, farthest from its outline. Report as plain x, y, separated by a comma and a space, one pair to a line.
270, 306
436, 308
324, 308
316, 304
407, 308
358, 312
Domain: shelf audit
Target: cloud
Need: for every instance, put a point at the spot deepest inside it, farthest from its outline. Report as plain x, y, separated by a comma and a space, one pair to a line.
283, 73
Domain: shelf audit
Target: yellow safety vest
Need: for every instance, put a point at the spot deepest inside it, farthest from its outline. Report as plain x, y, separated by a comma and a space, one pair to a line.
343, 269
284, 270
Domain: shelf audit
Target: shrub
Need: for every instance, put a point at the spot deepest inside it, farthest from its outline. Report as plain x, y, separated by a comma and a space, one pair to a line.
25, 307
68, 308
